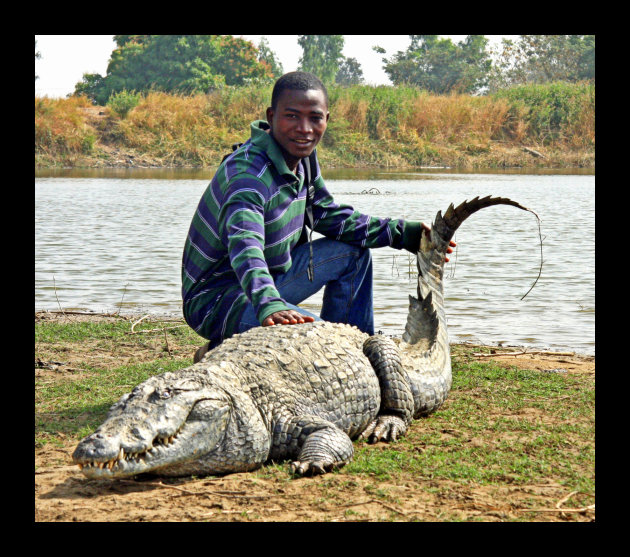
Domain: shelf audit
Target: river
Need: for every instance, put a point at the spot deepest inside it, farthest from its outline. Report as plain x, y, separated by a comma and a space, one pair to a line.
112, 239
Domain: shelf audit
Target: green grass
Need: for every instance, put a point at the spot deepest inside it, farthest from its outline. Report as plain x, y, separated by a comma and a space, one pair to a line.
514, 425
74, 403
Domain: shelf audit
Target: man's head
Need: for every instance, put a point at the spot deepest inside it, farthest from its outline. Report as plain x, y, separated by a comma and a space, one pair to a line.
298, 115
297, 81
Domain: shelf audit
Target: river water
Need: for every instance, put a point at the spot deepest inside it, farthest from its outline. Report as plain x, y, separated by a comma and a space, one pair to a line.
113, 239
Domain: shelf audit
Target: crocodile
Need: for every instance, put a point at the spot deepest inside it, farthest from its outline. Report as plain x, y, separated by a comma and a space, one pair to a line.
301, 393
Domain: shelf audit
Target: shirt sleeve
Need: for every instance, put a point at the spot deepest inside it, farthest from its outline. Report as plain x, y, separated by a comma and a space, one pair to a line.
242, 223
342, 222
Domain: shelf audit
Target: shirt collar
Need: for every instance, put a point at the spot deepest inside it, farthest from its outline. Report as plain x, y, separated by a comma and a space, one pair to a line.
264, 141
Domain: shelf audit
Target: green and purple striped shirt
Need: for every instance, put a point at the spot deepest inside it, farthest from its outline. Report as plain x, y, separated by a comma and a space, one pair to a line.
246, 224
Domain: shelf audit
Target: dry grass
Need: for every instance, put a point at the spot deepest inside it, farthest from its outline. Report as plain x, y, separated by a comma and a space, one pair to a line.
170, 127
369, 126
61, 129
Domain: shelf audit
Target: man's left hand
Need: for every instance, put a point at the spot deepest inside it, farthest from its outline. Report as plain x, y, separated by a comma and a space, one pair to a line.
287, 317
427, 230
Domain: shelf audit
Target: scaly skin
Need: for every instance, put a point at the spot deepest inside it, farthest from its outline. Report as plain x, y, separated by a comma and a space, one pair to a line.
300, 393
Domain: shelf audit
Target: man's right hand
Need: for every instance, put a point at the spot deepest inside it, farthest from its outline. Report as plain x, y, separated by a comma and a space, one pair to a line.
286, 317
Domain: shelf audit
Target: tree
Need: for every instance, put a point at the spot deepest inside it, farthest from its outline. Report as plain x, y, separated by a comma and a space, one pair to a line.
266, 55
440, 66
38, 55
321, 55
91, 86
350, 72
543, 59
175, 63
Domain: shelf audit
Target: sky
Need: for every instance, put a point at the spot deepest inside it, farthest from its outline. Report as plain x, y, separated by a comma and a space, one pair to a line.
65, 58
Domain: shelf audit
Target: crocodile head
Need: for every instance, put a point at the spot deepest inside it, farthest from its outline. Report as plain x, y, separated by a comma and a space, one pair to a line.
166, 425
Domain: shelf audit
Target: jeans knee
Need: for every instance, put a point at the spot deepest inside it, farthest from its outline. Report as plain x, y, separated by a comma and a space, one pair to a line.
365, 253
364, 257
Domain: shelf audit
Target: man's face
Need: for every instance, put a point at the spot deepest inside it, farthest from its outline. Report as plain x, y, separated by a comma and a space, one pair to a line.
298, 123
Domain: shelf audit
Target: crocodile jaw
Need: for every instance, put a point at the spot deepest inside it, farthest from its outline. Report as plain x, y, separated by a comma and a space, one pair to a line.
145, 432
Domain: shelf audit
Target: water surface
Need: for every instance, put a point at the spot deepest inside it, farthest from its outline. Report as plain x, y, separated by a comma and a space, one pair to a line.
109, 239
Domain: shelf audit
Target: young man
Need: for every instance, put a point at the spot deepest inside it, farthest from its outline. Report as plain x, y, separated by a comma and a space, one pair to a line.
244, 265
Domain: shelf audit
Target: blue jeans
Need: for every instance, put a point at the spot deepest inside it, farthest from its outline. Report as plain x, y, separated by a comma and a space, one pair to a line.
345, 273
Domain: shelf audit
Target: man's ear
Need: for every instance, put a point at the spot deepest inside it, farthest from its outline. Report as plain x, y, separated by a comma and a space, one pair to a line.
269, 115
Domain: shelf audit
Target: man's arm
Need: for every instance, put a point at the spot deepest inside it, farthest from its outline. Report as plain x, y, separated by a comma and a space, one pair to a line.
243, 232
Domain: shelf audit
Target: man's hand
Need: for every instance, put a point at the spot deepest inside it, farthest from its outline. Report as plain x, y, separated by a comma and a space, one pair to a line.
427, 230
287, 317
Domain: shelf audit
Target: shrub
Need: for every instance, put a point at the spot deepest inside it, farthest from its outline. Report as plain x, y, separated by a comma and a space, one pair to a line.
124, 101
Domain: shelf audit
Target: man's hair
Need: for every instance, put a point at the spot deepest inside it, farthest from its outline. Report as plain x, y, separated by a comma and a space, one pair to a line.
296, 81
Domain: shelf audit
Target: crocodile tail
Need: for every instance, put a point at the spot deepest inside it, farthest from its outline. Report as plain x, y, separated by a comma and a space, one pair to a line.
426, 321
446, 225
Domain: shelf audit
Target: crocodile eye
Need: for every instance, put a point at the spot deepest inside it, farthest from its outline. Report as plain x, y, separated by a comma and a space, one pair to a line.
165, 394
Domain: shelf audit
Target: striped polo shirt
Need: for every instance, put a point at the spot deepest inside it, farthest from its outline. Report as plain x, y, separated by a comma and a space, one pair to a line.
246, 224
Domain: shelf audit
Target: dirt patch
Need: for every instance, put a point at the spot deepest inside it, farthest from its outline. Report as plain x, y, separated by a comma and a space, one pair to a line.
63, 494
540, 360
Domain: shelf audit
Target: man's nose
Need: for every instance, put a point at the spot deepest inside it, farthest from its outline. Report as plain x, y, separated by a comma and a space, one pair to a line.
304, 125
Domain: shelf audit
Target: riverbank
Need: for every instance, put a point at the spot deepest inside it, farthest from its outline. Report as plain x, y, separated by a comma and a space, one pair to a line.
370, 127
514, 441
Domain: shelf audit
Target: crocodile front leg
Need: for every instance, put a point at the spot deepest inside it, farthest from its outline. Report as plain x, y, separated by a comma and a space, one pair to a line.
318, 445
397, 403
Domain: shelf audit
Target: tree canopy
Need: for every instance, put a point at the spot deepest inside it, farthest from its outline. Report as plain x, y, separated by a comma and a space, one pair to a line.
544, 59
265, 54
350, 72
192, 64
321, 55
439, 65
176, 63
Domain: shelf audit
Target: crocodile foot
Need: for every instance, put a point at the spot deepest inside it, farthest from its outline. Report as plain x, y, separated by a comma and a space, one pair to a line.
325, 448
384, 428
313, 468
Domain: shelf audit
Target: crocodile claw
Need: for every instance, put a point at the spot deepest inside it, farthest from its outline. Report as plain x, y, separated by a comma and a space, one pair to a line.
384, 428
312, 468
